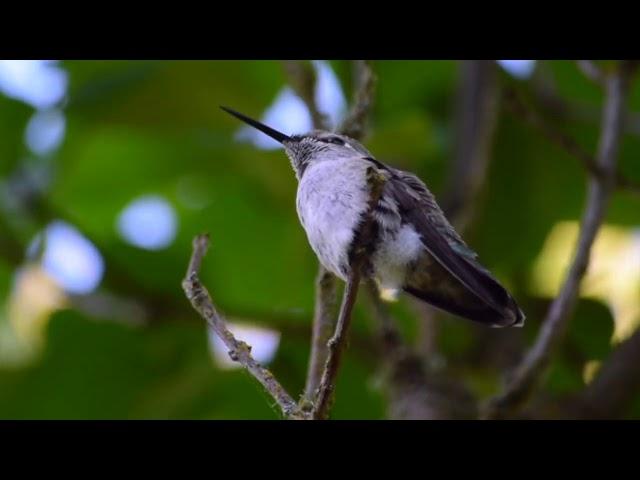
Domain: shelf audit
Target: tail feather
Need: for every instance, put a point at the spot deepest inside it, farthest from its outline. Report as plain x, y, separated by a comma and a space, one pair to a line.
431, 283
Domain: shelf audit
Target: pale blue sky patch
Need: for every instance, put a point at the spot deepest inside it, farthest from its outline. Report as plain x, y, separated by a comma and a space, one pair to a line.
40, 83
329, 96
70, 258
264, 344
289, 114
521, 69
45, 131
148, 222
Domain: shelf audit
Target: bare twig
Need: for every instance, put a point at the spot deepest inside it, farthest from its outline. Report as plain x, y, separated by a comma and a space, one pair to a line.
608, 396
549, 99
303, 80
616, 383
590, 70
415, 391
534, 364
337, 344
239, 351
323, 327
564, 141
476, 119
428, 327
302, 77
355, 124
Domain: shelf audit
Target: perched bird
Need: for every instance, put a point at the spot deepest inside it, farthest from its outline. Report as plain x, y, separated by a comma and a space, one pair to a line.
413, 248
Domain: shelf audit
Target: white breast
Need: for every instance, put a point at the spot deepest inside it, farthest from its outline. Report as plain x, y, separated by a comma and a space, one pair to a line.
331, 198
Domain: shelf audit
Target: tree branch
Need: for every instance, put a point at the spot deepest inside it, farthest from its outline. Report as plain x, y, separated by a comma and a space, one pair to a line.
590, 70
336, 346
239, 351
376, 181
615, 385
532, 367
476, 119
549, 99
323, 327
415, 390
355, 123
564, 141
302, 77
303, 80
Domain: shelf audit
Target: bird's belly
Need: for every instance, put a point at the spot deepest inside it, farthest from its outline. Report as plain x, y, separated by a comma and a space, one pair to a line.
395, 252
330, 205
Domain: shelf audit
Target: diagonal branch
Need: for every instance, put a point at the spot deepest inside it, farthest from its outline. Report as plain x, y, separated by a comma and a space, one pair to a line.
302, 77
476, 120
239, 351
592, 71
355, 123
616, 384
337, 344
528, 373
415, 391
564, 141
323, 327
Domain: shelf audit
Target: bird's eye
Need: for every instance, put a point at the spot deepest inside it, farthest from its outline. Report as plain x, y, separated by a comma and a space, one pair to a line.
335, 140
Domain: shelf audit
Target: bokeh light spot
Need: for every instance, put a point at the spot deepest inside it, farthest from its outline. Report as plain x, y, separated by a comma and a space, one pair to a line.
289, 114
264, 344
521, 69
45, 131
148, 222
70, 258
40, 83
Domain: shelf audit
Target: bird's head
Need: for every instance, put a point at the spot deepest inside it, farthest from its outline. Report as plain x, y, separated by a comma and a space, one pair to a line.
307, 149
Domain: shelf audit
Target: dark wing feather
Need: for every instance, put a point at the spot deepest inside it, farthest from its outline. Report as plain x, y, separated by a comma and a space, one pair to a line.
444, 244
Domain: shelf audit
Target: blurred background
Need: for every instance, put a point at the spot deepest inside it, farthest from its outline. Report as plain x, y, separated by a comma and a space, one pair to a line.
109, 168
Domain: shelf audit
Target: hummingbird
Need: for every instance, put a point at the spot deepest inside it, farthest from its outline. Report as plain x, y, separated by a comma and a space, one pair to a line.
412, 248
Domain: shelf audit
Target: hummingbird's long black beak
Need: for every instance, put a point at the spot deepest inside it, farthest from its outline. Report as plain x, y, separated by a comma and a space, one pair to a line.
276, 135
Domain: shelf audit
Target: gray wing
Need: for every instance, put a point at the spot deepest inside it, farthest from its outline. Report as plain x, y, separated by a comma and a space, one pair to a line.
418, 206
419, 191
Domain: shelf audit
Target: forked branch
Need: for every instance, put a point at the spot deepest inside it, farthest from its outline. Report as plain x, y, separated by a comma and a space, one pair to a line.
239, 351
337, 344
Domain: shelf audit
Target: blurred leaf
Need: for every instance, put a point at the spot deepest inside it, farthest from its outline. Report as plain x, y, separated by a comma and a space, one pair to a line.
591, 329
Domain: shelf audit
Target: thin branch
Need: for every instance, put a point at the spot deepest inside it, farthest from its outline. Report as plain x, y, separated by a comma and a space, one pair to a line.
239, 351
528, 373
428, 326
590, 70
476, 120
616, 384
302, 77
564, 141
414, 390
323, 327
376, 181
549, 99
303, 80
336, 346
355, 124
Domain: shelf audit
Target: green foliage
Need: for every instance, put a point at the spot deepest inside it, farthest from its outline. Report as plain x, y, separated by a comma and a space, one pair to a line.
154, 127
